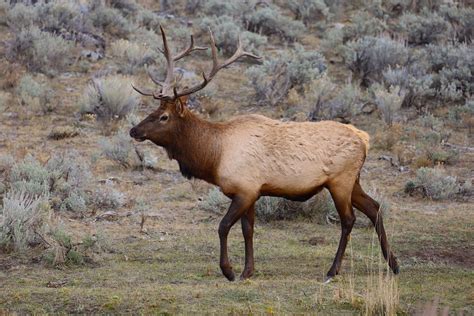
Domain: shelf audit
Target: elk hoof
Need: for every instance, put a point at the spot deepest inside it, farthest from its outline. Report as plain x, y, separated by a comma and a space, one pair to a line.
246, 274
396, 270
228, 273
328, 280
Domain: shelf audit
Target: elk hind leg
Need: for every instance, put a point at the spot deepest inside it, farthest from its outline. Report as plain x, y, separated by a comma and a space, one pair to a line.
370, 207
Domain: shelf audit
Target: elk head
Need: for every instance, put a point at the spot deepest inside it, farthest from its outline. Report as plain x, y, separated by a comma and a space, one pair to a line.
162, 125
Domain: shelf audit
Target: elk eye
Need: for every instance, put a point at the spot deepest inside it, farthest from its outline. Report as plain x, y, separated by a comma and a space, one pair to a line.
164, 118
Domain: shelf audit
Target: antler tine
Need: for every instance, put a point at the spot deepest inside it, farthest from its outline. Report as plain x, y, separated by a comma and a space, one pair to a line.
215, 65
155, 81
188, 50
239, 53
170, 67
145, 92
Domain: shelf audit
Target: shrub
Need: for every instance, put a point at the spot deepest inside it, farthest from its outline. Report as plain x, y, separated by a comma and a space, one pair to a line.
110, 20
415, 85
288, 70
461, 20
69, 179
132, 56
4, 97
270, 22
461, 113
30, 177
127, 7
454, 68
215, 201
107, 197
148, 19
226, 33
119, 149
54, 16
363, 24
35, 94
318, 94
423, 29
21, 16
109, 98
309, 11
433, 183
319, 208
333, 42
23, 221
63, 178
220, 8
4, 7
40, 51
368, 57
343, 105
388, 102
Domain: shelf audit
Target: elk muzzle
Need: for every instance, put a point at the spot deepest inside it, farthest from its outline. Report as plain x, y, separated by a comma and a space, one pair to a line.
137, 135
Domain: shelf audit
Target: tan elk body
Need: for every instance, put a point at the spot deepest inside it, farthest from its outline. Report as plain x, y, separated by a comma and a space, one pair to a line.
251, 156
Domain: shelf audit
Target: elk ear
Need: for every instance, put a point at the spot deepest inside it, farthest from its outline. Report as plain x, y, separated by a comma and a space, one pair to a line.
181, 104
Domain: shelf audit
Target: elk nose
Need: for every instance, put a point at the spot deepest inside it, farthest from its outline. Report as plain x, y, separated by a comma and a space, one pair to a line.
133, 132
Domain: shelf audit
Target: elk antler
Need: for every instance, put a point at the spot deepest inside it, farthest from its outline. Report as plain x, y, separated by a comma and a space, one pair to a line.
168, 87
215, 65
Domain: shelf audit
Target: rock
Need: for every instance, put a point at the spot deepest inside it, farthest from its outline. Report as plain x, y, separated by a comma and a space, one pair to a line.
92, 55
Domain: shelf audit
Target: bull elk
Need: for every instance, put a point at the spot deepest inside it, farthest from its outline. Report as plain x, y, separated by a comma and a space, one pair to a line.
251, 156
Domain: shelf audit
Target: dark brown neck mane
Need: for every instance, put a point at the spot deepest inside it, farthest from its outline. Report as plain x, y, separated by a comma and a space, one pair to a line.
197, 147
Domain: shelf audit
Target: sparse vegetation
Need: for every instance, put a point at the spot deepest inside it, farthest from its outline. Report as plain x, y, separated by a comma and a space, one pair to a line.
70, 174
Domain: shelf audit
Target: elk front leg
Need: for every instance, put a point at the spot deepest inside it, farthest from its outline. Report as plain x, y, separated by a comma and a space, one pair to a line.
247, 221
237, 208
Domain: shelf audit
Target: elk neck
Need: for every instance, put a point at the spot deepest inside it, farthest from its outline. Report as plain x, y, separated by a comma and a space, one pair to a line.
197, 147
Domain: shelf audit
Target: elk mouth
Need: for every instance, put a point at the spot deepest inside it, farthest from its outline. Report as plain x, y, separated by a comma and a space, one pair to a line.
140, 139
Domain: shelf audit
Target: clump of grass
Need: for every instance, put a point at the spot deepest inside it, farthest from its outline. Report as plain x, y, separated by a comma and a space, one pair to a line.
382, 294
109, 98
35, 94
433, 183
